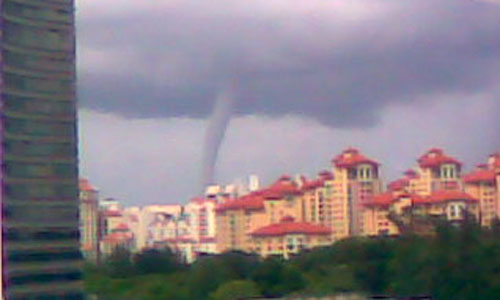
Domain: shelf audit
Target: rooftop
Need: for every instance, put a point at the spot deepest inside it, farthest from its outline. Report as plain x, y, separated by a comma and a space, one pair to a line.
288, 225
85, 185
352, 157
445, 196
481, 175
435, 157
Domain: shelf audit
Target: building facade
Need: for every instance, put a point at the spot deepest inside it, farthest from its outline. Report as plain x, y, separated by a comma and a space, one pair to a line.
41, 252
355, 181
89, 220
288, 237
484, 184
436, 171
433, 190
394, 212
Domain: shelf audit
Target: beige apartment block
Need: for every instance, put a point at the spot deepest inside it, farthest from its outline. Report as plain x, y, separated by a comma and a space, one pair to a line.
483, 184
355, 182
436, 171
288, 238
89, 220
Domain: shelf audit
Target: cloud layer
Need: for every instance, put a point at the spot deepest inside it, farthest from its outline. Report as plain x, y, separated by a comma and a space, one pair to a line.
338, 62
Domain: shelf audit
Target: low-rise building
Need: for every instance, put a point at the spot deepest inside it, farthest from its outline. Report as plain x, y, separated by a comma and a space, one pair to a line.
120, 236
287, 237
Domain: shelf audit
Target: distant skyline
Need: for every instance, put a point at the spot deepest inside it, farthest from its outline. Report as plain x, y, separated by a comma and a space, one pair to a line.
393, 78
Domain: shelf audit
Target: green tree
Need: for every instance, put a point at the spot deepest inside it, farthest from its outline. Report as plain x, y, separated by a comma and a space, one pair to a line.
119, 264
276, 277
156, 261
236, 289
239, 264
205, 276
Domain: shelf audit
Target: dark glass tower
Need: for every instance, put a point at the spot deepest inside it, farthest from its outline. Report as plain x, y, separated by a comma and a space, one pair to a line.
39, 177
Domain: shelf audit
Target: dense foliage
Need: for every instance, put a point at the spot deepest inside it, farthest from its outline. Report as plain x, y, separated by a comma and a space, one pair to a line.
456, 263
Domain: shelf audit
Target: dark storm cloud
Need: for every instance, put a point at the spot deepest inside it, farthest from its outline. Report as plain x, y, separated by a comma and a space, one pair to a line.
338, 63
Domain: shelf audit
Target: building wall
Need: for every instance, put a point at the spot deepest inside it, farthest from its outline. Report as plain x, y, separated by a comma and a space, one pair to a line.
488, 200
442, 177
340, 204
89, 212
351, 189
279, 208
234, 227
498, 192
287, 245
377, 222
40, 177
146, 216
202, 218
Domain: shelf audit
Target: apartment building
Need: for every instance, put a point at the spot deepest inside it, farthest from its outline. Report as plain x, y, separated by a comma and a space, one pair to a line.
236, 218
89, 220
355, 182
484, 184
436, 171
396, 211
288, 237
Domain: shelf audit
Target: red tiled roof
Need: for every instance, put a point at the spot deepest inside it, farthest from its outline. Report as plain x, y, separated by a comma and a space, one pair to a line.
249, 202
386, 199
285, 177
399, 184
352, 157
112, 213
121, 226
411, 174
327, 175
200, 200
285, 187
254, 201
288, 226
310, 185
480, 176
436, 157
85, 185
273, 195
445, 196
482, 166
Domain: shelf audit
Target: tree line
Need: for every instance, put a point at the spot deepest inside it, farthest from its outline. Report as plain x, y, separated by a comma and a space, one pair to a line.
457, 262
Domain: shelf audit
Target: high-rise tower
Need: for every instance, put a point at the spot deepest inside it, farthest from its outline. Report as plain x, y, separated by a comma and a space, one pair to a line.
39, 177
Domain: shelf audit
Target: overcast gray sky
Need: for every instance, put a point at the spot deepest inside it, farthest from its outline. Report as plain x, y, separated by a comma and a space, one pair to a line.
393, 78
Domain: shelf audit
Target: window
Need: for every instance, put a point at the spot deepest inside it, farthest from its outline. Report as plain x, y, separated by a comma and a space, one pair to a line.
41, 191
36, 12
39, 128
28, 148
38, 37
35, 62
38, 278
30, 256
32, 84
32, 170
